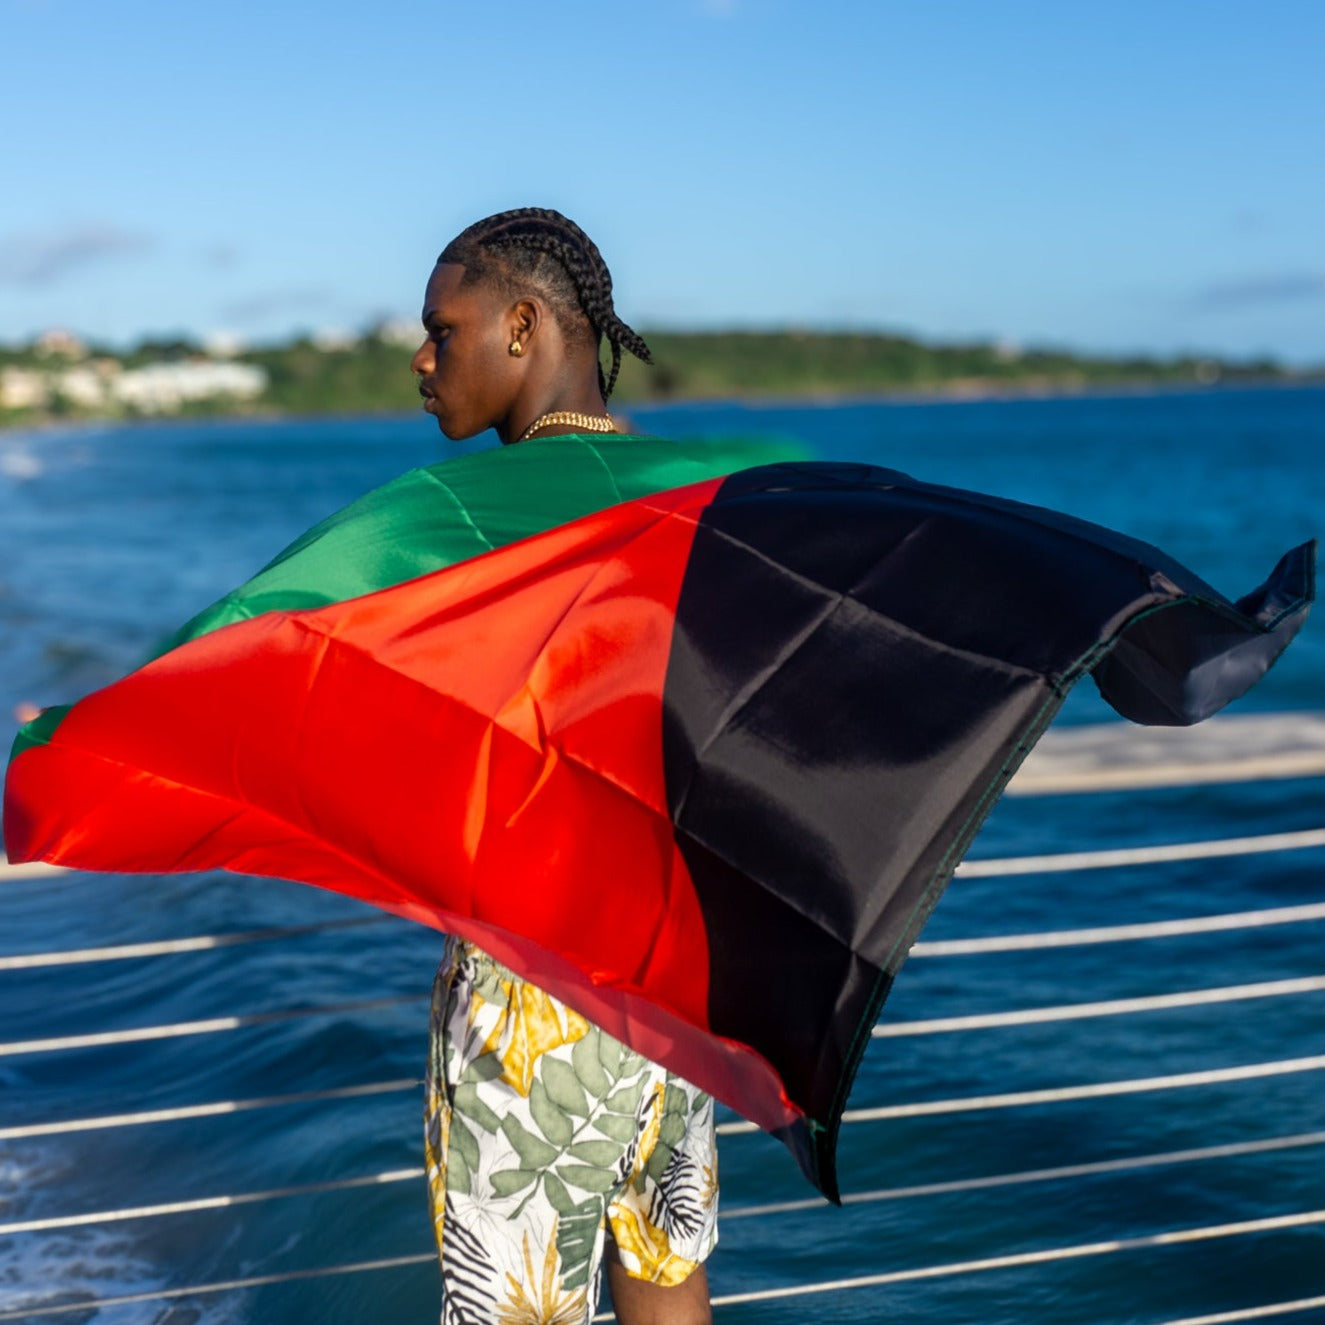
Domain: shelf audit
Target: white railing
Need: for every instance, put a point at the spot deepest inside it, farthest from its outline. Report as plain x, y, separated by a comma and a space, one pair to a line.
1066, 767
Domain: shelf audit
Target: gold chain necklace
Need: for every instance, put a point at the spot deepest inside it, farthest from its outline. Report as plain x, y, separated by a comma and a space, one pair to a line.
585, 422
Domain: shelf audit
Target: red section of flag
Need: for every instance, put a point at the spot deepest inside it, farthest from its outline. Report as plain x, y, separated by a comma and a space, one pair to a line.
478, 749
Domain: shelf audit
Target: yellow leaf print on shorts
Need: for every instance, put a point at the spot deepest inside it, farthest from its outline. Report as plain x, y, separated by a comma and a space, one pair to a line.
436, 1144
540, 1299
649, 1136
644, 1249
530, 1024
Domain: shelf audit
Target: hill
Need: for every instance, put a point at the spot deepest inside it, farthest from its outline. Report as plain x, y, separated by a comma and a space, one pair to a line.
58, 376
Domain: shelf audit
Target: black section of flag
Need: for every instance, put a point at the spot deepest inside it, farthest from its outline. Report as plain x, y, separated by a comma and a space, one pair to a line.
859, 663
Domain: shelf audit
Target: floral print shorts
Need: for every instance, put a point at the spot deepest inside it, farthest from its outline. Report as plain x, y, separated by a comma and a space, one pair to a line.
542, 1134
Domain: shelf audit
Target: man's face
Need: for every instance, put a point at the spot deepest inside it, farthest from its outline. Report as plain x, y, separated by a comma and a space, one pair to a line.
467, 376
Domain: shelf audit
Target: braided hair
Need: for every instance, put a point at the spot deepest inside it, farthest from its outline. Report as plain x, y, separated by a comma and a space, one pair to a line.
538, 246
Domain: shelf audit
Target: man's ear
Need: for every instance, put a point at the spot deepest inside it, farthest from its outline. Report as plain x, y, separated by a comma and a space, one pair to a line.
526, 316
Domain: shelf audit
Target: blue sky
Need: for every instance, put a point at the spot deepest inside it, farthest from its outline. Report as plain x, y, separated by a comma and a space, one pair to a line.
1136, 176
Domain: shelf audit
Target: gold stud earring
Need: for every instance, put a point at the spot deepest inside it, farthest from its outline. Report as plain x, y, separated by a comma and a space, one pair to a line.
516, 348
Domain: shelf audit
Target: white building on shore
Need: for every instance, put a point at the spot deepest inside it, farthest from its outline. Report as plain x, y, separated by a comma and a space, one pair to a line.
160, 388
23, 388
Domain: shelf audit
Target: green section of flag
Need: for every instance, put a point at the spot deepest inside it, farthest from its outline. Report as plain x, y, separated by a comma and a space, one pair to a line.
38, 731
446, 513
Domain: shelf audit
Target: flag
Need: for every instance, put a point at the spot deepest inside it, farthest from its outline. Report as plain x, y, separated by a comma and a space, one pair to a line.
696, 757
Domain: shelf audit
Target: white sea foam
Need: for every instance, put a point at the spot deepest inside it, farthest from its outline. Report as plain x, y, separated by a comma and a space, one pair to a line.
1223, 749
91, 1264
83, 1264
19, 464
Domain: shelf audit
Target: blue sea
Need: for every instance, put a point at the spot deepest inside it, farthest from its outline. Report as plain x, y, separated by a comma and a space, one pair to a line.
1011, 1213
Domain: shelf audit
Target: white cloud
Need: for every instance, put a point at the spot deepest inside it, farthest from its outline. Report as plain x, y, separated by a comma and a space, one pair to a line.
39, 260
47, 259
1276, 288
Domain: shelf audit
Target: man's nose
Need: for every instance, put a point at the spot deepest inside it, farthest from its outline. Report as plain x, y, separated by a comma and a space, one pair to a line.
423, 361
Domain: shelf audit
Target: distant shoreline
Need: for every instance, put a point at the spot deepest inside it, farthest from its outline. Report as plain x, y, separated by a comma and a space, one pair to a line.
990, 392
964, 393
59, 378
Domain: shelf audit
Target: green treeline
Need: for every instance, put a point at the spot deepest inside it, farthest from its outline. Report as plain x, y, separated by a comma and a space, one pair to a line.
373, 376
370, 373
803, 363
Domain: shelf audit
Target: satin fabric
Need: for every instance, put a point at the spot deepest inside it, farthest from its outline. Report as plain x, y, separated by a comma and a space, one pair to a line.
699, 763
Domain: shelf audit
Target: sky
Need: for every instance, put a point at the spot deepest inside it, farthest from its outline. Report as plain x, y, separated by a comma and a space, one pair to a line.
1131, 177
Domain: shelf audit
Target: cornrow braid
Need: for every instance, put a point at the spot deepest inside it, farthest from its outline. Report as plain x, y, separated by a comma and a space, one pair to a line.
551, 251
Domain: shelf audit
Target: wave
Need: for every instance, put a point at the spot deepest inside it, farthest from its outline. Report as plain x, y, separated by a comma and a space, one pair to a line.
88, 1265
1120, 755
20, 464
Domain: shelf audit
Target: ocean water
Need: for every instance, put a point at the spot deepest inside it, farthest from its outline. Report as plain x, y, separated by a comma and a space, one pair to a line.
110, 536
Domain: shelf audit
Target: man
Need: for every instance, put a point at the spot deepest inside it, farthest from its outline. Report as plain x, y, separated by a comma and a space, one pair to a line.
551, 1146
